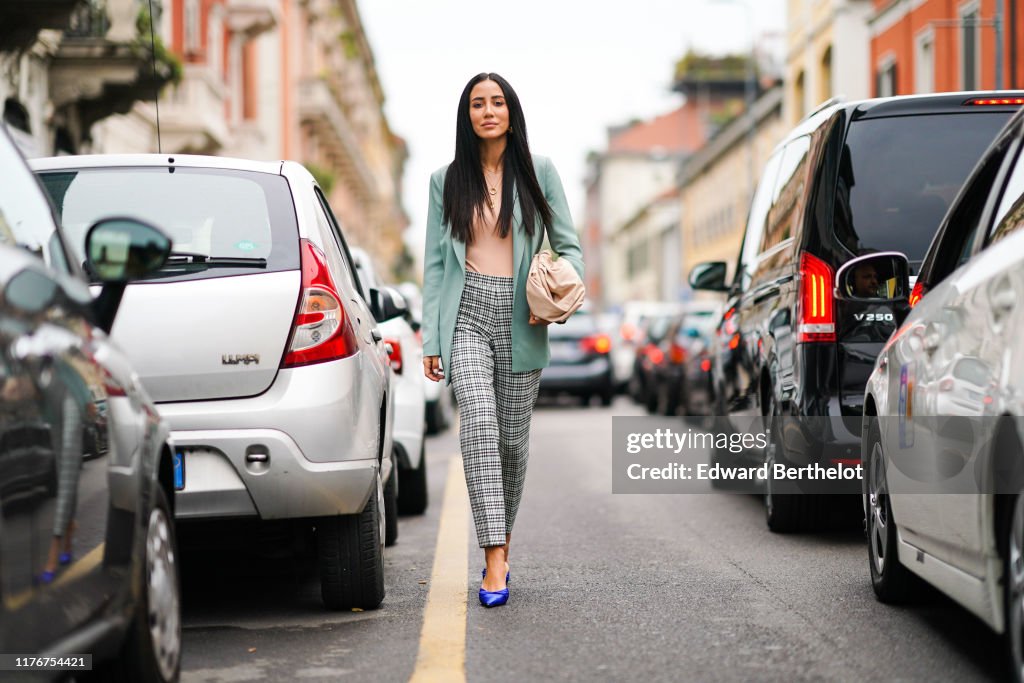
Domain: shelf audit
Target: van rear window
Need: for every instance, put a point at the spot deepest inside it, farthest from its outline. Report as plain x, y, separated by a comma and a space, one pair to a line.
898, 175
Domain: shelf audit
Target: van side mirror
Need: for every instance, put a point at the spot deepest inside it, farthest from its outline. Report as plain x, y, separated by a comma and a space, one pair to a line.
883, 276
709, 276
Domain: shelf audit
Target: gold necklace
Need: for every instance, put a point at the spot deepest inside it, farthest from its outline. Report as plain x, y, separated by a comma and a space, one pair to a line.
492, 189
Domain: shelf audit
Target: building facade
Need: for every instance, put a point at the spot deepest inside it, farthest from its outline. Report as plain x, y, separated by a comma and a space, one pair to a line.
827, 53
922, 46
717, 183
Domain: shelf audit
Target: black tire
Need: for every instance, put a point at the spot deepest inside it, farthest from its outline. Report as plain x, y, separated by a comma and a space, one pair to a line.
892, 582
651, 398
786, 512
146, 656
436, 422
391, 508
350, 554
412, 499
607, 396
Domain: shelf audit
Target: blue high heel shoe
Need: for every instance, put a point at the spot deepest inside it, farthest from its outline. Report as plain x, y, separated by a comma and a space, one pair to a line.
495, 598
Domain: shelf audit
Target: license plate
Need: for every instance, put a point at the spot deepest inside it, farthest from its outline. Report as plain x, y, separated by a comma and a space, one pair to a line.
179, 471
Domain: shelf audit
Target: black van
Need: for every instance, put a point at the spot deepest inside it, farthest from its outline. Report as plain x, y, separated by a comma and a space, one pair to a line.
851, 179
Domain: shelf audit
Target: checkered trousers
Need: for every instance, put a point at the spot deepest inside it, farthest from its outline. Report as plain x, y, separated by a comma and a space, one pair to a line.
495, 405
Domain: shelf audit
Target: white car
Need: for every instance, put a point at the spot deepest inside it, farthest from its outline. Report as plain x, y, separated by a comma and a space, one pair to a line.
942, 443
406, 353
439, 396
258, 346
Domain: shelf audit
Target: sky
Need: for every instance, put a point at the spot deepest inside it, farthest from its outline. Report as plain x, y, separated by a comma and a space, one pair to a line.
578, 67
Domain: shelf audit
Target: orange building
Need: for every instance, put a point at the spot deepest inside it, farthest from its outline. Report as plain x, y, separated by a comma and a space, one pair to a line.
920, 46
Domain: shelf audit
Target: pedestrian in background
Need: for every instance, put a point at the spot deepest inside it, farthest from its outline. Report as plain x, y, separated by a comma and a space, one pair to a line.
489, 211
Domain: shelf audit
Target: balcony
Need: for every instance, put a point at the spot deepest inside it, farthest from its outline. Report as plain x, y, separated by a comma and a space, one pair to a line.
22, 20
252, 17
105, 62
319, 109
192, 118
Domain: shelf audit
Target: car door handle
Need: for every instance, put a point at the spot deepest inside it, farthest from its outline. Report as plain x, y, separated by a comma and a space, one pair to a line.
375, 333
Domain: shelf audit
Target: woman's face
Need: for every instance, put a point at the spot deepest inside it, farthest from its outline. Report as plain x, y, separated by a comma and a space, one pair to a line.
487, 110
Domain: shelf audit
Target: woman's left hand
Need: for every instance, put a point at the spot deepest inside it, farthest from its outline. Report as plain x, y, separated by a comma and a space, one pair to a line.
534, 320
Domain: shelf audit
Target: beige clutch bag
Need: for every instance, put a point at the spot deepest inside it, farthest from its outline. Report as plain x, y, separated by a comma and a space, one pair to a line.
554, 290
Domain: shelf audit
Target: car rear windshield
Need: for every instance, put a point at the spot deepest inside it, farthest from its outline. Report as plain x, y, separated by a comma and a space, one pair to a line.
898, 175
221, 222
580, 324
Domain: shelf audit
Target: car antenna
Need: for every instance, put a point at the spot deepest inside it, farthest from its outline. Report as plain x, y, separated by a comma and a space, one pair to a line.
156, 79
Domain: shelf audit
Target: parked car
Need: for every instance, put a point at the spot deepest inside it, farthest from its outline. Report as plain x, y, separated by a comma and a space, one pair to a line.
652, 330
406, 355
87, 540
580, 362
682, 379
953, 369
632, 320
271, 370
850, 179
440, 399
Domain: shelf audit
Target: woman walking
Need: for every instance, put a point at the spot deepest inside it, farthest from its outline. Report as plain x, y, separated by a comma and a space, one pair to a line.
489, 211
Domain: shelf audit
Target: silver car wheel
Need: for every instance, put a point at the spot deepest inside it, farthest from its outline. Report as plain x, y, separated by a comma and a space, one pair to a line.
162, 601
878, 517
1015, 584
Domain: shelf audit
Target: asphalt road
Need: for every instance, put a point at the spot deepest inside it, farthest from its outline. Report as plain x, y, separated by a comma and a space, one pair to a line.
604, 587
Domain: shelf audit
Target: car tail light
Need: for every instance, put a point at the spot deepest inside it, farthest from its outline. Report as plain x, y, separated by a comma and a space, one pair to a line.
916, 293
677, 354
627, 331
395, 355
816, 318
654, 354
596, 343
734, 341
995, 101
946, 385
705, 365
321, 330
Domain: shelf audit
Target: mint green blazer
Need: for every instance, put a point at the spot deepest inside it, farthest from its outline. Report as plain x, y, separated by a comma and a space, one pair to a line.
444, 271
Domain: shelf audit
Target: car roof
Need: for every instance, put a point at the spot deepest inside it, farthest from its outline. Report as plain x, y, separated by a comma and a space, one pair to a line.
143, 160
905, 105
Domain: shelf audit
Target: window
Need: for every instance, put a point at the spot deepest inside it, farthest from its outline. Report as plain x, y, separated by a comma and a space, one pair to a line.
924, 63
885, 85
1010, 216
758, 217
215, 42
192, 39
970, 47
825, 92
789, 190
799, 96
335, 228
899, 174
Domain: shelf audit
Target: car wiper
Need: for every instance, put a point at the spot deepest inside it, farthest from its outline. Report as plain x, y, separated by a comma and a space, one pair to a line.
188, 258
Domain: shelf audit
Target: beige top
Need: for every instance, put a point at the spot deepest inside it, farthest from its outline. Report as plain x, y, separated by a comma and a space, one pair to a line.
489, 253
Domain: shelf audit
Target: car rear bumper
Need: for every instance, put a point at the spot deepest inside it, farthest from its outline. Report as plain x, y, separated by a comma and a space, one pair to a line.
307, 447
262, 473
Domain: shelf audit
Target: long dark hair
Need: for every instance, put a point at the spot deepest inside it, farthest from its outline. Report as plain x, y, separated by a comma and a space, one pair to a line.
465, 191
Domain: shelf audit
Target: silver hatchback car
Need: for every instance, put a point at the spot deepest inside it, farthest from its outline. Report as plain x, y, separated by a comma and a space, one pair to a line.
258, 345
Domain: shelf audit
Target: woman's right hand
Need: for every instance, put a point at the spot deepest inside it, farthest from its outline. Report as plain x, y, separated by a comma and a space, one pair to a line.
432, 368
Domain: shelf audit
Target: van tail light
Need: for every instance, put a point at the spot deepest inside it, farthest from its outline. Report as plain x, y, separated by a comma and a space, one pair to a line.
596, 343
677, 354
321, 330
816, 317
395, 355
916, 293
653, 354
705, 365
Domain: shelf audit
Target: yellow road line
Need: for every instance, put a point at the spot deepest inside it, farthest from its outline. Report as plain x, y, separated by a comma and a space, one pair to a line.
442, 653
